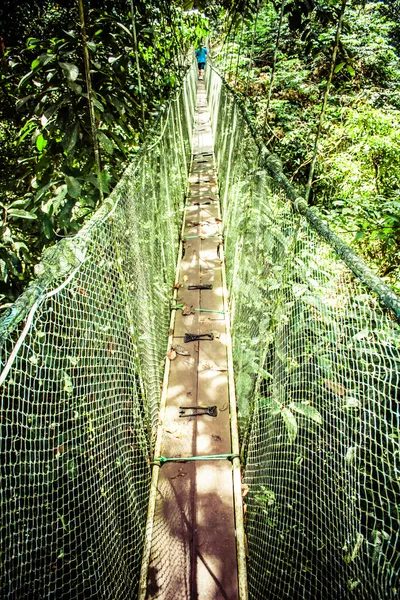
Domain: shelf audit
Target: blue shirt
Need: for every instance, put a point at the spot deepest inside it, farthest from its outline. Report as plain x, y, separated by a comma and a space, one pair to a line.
201, 54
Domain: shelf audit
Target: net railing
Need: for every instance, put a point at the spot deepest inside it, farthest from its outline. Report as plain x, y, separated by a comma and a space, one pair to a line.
316, 358
82, 363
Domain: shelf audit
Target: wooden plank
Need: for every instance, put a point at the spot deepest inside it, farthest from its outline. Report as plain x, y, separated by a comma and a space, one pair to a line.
193, 552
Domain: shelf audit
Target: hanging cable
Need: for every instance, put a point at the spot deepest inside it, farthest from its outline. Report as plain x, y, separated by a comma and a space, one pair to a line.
135, 43
274, 61
325, 100
86, 62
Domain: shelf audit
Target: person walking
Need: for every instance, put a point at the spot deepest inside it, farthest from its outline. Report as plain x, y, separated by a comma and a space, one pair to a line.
201, 55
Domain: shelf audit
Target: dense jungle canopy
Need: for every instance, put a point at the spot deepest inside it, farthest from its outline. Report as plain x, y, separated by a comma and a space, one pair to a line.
286, 60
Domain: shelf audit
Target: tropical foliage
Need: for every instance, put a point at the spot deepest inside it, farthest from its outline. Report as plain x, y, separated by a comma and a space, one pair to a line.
356, 182
50, 186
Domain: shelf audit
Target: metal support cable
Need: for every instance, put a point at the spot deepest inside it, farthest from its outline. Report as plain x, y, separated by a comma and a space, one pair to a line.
89, 88
325, 100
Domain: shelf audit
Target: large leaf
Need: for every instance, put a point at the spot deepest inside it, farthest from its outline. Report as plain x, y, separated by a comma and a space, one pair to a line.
25, 79
41, 143
350, 70
70, 70
43, 190
3, 270
339, 67
21, 214
290, 422
47, 227
98, 105
307, 411
73, 185
124, 28
70, 138
53, 203
105, 142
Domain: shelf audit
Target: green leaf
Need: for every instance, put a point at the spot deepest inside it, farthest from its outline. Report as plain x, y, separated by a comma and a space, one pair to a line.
21, 203
122, 26
44, 59
325, 363
68, 385
73, 185
35, 63
105, 142
70, 70
339, 67
3, 270
104, 181
18, 246
92, 46
21, 214
43, 190
20, 103
72, 469
41, 143
307, 411
98, 104
75, 87
53, 203
120, 106
47, 227
25, 79
114, 59
350, 70
70, 138
266, 497
26, 130
290, 422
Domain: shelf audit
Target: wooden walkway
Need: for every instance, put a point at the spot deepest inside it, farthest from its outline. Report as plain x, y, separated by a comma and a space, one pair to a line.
192, 532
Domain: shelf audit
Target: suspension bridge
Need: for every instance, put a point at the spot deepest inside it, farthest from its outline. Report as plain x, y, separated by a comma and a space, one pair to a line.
200, 390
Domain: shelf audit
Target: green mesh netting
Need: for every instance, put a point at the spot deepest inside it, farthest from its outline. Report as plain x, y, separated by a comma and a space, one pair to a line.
82, 358
317, 359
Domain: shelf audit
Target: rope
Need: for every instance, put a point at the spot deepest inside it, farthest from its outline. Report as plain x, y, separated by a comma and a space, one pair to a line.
158, 140
325, 100
161, 460
29, 320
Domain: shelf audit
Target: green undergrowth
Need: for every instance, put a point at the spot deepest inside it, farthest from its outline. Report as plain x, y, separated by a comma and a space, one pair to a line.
356, 183
49, 186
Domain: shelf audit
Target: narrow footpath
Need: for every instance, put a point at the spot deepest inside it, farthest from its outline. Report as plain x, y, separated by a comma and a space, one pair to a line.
192, 531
